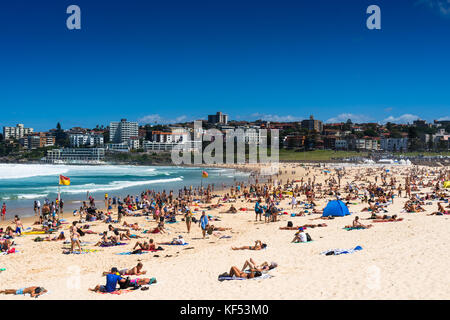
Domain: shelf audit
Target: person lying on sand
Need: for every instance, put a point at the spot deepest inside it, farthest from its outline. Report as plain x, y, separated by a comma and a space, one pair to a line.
145, 245
135, 283
213, 228
359, 225
34, 292
128, 235
235, 272
133, 226
388, 219
258, 246
135, 271
304, 226
60, 237
323, 218
180, 240
265, 266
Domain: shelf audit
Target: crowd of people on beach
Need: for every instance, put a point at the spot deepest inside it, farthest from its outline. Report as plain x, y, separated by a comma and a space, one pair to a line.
267, 198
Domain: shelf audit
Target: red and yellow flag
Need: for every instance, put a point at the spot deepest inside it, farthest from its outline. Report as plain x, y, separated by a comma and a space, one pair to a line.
64, 180
204, 174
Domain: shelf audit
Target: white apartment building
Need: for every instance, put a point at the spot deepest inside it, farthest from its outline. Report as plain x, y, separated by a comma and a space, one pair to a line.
247, 135
121, 132
341, 144
17, 132
85, 139
134, 143
188, 146
394, 144
70, 155
119, 147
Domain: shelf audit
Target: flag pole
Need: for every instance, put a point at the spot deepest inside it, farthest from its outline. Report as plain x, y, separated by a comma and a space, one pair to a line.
59, 200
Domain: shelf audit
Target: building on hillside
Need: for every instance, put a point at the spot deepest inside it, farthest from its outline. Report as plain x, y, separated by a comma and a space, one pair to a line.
118, 147
17, 132
187, 146
86, 140
79, 155
394, 144
121, 132
294, 141
37, 140
218, 118
312, 125
341, 144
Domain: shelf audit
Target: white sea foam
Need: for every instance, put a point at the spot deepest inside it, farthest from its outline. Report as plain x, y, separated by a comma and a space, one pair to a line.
114, 185
20, 171
23, 171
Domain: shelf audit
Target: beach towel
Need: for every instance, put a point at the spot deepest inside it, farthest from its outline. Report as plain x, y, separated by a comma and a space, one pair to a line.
354, 228
130, 253
82, 251
262, 277
113, 245
304, 242
341, 251
173, 244
225, 237
117, 291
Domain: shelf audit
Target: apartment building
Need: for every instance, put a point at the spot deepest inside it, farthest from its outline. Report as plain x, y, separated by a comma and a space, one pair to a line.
17, 132
121, 132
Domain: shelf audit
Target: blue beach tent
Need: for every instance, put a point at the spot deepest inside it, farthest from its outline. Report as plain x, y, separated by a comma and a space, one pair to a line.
335, 208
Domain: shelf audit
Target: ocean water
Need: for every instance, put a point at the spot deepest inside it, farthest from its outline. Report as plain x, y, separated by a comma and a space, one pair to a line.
21, 184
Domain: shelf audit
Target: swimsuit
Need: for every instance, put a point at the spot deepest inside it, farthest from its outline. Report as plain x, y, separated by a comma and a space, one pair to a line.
20, 291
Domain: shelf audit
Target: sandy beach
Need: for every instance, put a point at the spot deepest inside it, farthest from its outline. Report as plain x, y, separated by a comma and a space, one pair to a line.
400, 260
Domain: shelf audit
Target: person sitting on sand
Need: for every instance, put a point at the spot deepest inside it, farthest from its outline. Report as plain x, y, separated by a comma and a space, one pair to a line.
301, 236
232, 210
358, 225
441, 210
5, 245
34, 292
112, 279
258, 246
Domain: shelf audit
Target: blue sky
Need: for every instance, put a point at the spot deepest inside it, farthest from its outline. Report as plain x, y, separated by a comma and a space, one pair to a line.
179, 60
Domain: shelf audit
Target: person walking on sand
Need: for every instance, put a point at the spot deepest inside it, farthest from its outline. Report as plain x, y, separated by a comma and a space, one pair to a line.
74, 237
204, 224
188, 219
4, 212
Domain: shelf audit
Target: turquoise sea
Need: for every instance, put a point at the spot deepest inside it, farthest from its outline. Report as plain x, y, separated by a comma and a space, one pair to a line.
21, 184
